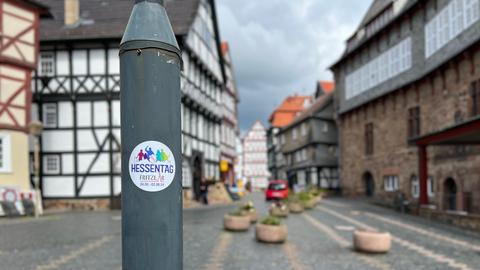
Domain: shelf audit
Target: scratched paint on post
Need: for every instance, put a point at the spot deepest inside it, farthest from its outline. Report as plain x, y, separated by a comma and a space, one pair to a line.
152, 166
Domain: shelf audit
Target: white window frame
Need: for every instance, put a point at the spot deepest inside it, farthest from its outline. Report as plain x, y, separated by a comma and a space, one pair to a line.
47, 58
430, 187
450, 22
391, 183
6, 166
415, 186
47, 109
56, 159
394, 61
294, 134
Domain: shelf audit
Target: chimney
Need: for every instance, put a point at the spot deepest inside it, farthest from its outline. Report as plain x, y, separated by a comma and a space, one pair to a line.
72, 12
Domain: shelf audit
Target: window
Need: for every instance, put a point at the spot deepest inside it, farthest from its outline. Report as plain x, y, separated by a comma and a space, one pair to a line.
50, 116
325, 127
415, 186
369, 139
390, 63
52, 164
47, 64
450, 22
413, 122
391, 183
294, 134
475, 97
304, 129
5, 152
430, 187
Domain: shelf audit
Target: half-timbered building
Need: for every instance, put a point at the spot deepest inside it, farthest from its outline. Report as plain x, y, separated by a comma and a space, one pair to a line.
76, 94
19, 26
229, 129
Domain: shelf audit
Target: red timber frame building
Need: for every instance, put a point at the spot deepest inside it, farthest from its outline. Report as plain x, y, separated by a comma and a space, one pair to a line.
19, 46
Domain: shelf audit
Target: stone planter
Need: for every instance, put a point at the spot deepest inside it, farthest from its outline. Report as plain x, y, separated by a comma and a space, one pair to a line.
310, 204
295, 207
279, 212
270, 233
253, 216
236, 223
317, 199
372, 241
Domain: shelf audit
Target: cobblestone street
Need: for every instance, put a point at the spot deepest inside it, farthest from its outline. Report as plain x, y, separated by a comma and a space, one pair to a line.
318, 239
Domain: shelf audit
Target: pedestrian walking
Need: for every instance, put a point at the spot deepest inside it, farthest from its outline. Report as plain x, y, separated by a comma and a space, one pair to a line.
204, 191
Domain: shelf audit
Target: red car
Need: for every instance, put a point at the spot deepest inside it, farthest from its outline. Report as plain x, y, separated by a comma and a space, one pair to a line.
277, 190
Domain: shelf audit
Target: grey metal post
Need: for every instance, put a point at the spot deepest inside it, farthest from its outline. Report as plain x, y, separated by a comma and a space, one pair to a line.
150, 65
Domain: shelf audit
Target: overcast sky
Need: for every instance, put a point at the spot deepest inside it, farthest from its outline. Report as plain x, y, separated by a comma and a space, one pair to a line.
282, 47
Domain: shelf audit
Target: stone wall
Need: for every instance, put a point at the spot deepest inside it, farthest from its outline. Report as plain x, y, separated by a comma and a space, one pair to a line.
471, 222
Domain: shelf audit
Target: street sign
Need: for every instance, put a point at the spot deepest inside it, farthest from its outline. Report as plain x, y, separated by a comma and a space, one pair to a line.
150, 65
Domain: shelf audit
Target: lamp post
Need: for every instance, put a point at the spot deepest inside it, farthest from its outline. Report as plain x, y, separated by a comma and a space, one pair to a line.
150, 65
36, 128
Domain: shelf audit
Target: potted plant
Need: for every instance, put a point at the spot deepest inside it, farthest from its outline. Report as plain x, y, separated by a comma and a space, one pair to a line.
271, 230
279, 209
294, 205
250, 211
315, 194
371, 241
306, 200
237, 220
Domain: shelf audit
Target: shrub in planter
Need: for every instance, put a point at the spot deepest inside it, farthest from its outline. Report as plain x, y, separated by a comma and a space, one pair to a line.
306, 200
279, 209
249, 209
270, 230
372, 241
236, 220
316, 194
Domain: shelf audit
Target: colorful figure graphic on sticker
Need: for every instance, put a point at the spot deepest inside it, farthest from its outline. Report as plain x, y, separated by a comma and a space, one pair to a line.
140, 155
164, 156
148, 153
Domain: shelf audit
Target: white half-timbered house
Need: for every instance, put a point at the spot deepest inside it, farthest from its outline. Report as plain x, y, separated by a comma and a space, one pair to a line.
76, 94
229, 129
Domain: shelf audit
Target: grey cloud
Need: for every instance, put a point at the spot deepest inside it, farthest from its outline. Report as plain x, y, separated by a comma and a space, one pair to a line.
281, 47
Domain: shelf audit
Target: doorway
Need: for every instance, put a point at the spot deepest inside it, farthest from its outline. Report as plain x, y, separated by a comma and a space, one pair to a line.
450, 194
369, 183
197, 176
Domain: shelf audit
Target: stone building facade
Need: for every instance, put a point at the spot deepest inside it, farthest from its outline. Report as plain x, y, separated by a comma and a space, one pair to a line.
410, 70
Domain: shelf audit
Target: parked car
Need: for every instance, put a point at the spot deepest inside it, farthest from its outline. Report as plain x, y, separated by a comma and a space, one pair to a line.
277, 190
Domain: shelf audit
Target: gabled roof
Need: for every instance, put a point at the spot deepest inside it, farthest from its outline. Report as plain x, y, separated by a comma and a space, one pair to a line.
316, 106
107, 19
324, 87
288, 110
374, 10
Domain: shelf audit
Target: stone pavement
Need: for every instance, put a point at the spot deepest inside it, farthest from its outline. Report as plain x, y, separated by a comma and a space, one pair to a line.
318, 239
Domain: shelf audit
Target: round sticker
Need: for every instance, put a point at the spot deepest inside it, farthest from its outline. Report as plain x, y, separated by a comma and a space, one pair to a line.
152, 166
